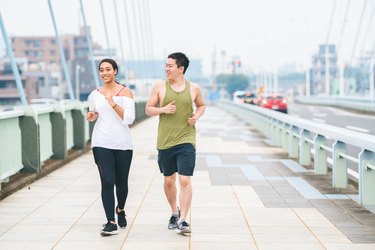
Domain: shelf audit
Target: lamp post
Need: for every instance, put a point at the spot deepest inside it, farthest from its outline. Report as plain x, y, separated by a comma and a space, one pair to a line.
306, 27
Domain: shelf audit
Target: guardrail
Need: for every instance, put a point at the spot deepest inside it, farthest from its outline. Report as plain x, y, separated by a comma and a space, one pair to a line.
356, 103
307, 141
30, 135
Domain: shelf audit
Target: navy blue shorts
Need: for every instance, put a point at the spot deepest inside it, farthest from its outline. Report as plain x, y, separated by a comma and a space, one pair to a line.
179, 158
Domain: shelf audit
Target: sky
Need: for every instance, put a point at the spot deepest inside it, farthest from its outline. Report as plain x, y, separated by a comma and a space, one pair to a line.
263, 34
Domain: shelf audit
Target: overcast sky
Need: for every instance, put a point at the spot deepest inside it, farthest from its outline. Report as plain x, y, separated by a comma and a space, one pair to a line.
262, 33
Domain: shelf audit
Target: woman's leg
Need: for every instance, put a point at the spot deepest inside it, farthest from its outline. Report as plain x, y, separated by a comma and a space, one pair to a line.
122, 168
105, 160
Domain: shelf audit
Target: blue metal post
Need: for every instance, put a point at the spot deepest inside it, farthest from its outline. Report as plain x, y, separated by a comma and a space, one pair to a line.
137, 39
120, 40
142, 32
131, 56
105, 27
143, 22
16, 73
94, 70
62, 55
150, 37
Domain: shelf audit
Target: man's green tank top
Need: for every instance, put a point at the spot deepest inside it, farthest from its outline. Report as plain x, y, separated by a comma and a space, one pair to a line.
174, 129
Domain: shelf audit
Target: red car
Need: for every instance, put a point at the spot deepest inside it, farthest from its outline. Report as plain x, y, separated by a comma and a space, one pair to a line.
274, 102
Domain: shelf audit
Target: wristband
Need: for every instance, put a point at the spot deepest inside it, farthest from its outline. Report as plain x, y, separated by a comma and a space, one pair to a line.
114, 106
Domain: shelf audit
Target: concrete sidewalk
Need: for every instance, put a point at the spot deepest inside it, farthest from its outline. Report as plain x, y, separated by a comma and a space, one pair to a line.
247, 194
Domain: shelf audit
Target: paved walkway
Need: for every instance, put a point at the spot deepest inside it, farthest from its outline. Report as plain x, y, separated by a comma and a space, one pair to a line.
247, 194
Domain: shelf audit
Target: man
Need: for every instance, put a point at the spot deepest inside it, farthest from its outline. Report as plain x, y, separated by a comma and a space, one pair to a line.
176, 134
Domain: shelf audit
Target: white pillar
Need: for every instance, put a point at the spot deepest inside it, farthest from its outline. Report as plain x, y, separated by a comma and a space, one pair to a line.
327, 87
372, 79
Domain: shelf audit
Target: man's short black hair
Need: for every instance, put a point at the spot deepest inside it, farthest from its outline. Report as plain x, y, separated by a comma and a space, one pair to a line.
181, 60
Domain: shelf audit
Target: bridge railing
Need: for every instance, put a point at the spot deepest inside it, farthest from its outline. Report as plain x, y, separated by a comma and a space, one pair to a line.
30, 135
306, 141
10, 143
356, 103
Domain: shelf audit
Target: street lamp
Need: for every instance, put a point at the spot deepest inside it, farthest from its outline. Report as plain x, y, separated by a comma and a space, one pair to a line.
305, 21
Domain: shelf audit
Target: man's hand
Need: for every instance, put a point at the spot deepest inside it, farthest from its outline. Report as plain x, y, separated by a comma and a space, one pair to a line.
170, 108
192, 119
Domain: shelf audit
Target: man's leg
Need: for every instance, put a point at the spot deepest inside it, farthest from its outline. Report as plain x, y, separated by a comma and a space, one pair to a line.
185, 195
171, 192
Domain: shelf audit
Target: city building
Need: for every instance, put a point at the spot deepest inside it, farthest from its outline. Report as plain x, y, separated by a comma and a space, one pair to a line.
42, 69
9, 95
318, 70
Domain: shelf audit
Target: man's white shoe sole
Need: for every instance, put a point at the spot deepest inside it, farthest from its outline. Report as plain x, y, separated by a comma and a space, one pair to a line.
183, 231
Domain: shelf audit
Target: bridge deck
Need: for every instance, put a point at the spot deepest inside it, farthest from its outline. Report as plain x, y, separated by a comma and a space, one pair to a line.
247, 194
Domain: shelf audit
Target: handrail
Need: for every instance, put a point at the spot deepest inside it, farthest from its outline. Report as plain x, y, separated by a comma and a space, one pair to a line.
32, 134
297, 140
356, 103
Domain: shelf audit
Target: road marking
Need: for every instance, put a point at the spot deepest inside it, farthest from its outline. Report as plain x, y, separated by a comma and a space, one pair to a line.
347, 113
319, 120
363, 130
320, 114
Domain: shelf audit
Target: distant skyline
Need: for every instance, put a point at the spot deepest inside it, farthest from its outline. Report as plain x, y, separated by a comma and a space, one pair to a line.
263, 34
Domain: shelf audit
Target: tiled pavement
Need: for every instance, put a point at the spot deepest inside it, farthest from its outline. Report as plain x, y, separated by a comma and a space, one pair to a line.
247, 194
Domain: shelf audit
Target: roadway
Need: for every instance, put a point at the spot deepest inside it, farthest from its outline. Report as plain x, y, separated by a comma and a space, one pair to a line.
355, 121
351, 120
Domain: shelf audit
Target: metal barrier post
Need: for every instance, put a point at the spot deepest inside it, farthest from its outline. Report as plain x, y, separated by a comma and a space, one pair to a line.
304, 148
280, 132
79, 127
30, 142
267, 127
274, 128
366, 178
59, 133
340, 165
293, 142
285, 136
320, 155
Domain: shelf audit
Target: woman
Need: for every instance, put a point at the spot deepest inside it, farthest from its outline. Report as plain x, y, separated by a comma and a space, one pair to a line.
112, 105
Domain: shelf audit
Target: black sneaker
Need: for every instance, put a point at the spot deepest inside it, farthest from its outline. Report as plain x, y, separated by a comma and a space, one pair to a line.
183, 228
172, 224
121, 220
109, 229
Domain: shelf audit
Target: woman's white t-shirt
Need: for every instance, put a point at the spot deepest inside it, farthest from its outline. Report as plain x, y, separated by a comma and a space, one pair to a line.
110, 131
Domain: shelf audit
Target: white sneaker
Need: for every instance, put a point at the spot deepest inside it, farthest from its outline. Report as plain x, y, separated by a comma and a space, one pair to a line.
183, 228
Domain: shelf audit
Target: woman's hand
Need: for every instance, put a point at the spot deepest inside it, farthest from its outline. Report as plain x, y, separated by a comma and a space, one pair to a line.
109, 98
92, 116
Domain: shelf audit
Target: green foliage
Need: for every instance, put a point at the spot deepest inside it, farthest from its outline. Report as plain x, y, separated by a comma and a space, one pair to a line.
233, 82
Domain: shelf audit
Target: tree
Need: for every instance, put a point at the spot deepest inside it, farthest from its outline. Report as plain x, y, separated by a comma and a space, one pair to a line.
233, 82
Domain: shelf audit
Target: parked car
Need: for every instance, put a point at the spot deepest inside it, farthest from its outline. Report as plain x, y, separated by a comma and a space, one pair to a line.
258, 100
274, 102
243, 97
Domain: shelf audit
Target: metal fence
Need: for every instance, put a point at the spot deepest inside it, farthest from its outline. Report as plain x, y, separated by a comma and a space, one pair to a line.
30, 135
307, 141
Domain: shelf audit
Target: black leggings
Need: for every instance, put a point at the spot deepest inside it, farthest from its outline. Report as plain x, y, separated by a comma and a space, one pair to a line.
114, 166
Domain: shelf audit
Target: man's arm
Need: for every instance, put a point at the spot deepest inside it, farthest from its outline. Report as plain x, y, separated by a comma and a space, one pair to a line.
154, 100
200, 106
199, 103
